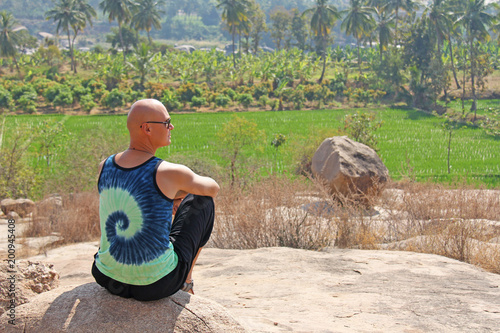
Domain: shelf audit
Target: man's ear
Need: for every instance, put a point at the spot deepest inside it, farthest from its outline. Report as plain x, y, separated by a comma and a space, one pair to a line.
146, 129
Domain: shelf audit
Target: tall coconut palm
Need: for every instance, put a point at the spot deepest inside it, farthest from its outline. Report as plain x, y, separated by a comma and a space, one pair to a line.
396, 6
358, 22
9, 38
384, 25
89, 13
67, 15
476, 20
323, 18
234, 13
118, 10
147, 14
439, 16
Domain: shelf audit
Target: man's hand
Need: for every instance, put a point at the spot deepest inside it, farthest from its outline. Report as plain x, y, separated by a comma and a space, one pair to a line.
177, 203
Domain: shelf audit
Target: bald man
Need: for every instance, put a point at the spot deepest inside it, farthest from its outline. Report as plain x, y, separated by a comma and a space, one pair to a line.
143, 254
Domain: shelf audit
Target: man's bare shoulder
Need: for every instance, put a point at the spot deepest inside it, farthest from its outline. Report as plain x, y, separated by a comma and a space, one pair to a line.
169, 167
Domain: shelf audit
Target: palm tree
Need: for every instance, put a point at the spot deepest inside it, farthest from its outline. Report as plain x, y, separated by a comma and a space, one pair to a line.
396, 5
476, 20
142, 63
322, 20
358, 23
89, 12
439, 17
147, 14
67, 15
384, 24
234, 13
9, 38
118, 10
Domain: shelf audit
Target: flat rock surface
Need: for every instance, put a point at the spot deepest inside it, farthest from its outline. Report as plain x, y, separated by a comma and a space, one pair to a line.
291, 290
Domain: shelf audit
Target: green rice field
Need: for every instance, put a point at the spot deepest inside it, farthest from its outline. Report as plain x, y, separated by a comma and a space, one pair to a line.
411, 143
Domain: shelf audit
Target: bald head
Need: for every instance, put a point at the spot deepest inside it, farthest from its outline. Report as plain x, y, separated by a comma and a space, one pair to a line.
145, 110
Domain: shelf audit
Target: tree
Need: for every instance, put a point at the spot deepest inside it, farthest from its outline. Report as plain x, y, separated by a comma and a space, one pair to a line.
496, 27
234, 12
281, 23
428, 74
9, 38
299, 30
118, 10
476, 20
358, 23
258, 18
142, 63
396, 6
147, 15
440, 20
323, 18
89, 13
384, 25
234, 136
68, 16
125, 40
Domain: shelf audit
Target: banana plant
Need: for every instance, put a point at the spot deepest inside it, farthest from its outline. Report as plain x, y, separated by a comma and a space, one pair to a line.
142, 62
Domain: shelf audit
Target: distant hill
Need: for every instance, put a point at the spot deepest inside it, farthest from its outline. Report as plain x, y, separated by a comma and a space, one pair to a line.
31, 13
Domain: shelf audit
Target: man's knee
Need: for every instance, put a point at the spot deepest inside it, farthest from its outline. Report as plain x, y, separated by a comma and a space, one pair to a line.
199, 204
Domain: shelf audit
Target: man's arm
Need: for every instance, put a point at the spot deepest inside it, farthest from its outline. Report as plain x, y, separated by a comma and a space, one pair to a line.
175, 180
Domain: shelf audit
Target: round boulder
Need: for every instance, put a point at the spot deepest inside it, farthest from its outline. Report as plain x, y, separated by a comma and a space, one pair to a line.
349, 168
91, 308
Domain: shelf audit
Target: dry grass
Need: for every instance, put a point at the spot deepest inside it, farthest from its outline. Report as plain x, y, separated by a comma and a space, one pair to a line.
76, 221
268, 214
461, 223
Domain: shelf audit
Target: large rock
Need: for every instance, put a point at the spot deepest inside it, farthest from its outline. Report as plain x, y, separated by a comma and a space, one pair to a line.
30, 278
50, 205
90, 308
349, 167
21, 206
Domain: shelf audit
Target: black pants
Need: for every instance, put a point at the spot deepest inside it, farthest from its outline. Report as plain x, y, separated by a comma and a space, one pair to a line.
191, 229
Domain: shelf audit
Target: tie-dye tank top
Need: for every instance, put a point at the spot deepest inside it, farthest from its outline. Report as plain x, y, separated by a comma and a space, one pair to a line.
135, 224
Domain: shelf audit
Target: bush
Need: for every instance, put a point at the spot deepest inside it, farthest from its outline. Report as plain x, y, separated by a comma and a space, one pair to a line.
170, 100
198, 101
97, 88
229, 92
115, 98
28, 102
245, 99
262, 89
338, 84
263, 101
187, 91
18, 90
297, 97
79, 91
274, 103
5, 98
52, 91
64, 98
155, 90
222, 100
87, 102
41, 84
311, 92
361, 127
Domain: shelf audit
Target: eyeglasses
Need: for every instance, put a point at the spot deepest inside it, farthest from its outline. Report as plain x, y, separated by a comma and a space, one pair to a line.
166, 123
